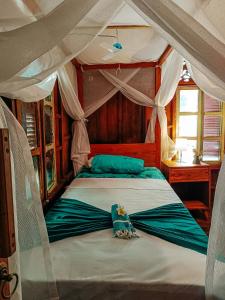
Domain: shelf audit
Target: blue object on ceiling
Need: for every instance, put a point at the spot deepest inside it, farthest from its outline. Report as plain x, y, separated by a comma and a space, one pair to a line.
118, 45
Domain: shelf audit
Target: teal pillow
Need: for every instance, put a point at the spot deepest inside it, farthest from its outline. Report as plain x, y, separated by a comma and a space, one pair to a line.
117, 164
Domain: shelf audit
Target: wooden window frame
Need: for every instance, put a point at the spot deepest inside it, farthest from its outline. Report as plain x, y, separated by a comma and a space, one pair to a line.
200, 120
51, 146
38, 150
62, 144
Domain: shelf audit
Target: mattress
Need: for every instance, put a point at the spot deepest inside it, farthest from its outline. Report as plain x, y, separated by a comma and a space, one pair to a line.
98, 266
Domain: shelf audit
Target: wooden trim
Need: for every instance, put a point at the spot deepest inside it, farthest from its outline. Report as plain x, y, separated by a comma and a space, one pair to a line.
157, 78
114, 66
158, 129
7, 236
187, 83
80, 85
165, 55
128, 27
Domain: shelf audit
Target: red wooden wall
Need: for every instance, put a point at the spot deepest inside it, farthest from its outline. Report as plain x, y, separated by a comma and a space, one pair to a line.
117, 121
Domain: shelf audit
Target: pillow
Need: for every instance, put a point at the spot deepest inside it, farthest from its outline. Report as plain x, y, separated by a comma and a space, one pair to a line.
116, 164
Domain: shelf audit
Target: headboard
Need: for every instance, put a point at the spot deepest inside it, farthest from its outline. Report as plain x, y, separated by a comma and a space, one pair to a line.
148, 152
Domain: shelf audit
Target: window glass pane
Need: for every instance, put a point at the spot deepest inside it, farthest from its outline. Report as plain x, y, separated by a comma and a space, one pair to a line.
36, 169
50, 168
211, 104
211, 150
188, 126
189, 100
212, 126
48, 124
29, 123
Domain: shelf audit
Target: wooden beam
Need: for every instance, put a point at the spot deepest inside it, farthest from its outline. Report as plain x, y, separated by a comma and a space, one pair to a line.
7, 236
80, 85
165, 55
128, 26
116, 66
158, 129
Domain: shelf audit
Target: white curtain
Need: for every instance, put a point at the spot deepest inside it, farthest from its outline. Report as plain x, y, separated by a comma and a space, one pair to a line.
215, 269
32, 248
44, 39
47, 35
80, 142
190, 38
171, 72
65, 31
206, 83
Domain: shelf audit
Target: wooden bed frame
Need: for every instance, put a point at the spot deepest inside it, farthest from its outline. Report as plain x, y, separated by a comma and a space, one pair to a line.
149, 152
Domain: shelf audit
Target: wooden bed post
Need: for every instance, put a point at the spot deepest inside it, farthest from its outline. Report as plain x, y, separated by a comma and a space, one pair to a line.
7, 232
157, 129
7, 236
80, 87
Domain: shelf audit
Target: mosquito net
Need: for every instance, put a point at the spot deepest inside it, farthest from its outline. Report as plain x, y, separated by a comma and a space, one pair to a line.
38, 37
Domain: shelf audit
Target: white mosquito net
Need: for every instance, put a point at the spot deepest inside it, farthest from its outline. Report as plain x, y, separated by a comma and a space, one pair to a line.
38, 37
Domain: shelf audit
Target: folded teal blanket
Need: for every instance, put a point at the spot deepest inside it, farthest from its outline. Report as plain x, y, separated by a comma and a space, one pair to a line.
148, 172
172, 222
122, 226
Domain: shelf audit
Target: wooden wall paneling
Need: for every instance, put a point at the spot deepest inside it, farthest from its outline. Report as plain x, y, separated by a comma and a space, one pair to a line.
133, 124
112, 119
66, 136
92, 127
102, 124
80, 85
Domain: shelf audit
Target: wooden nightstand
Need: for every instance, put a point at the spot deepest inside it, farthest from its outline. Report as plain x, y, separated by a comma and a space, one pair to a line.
191, 182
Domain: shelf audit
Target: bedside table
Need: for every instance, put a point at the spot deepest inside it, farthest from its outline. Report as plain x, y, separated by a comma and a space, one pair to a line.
191, 182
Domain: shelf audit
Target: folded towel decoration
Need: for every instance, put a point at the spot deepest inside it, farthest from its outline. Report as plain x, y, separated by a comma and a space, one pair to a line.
122, 226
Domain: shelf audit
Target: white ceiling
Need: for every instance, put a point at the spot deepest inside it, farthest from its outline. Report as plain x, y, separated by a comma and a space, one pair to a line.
128, 16
140, 44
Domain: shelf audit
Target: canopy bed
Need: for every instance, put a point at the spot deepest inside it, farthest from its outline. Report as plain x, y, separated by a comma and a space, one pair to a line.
90, 49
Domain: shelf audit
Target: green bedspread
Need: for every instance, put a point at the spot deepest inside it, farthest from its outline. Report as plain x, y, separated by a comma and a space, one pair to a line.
149, 172
172, 222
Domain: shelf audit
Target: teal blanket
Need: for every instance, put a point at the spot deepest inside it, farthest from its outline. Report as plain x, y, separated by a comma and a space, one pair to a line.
172, 222
149, 172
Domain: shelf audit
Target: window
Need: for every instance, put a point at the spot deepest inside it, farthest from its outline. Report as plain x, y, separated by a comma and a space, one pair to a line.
29, 116
199, 123
48, 129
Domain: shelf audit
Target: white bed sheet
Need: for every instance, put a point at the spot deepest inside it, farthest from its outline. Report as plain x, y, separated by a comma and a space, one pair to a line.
98, 266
